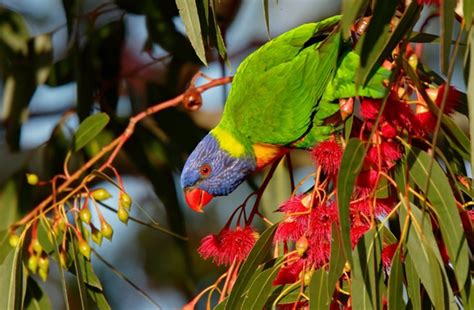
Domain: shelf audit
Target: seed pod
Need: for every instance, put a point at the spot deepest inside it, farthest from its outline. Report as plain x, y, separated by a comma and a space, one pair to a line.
43, 262
307, 277
192, 99
100, 194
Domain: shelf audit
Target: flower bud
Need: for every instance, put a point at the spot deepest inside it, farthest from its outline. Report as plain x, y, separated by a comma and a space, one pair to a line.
13, 240
125, 201
307, 277
192, 99
302, 245
96, 235
122, 215
32, 263
84, 249
106, 230
63, 259
32, 178
43, 274
413, 61
85, 215
100, 194
36, 246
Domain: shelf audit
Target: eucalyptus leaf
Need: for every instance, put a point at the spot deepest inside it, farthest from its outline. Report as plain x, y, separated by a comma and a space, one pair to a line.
89, 129
189, 14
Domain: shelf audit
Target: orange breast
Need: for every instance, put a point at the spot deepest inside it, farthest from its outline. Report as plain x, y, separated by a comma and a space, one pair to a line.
266, 153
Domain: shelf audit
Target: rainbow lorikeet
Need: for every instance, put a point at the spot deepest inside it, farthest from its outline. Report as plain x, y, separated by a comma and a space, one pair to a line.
280, 97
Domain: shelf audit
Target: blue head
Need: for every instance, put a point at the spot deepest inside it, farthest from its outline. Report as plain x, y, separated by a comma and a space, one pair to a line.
211, 171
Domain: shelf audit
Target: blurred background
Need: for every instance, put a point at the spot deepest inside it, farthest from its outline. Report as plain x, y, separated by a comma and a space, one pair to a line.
121, 57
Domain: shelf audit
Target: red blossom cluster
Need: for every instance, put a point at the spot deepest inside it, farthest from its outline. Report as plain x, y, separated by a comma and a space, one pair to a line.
229, 245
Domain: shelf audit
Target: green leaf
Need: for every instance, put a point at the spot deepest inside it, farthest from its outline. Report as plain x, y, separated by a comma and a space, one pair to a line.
337, 259
260, 290
468, 9
387, 43
255, 258
422, 247
36, 298
8, 204
319, 297
351, 164
378, 30
11, 280
447, 22
266, 16
5, 247
470, 100
413, 283
395, 283
442, 199
87, 273
99, 298
350, 11
367, 272
89, 129
189, 14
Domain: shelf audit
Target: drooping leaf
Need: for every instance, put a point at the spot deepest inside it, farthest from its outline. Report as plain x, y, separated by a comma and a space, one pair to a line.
8, 204
258, 293
89, 129
36, 298
337, 259
99, 298
468, 9
266, 16
350, 11
447, 22
319, 297
189, 14
11, 280
413, 283
395, 283
351, 164
442, 199
470, 100
255, 258
367, 271
387, 43
422, 247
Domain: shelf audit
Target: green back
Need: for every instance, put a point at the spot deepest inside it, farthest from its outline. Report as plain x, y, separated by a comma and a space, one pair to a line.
276, 89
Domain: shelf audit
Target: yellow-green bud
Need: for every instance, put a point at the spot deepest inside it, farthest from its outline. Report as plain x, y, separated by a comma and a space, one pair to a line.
122, 215
43, 262
301, 245
84, 248
125, 201
307, 277
43, 273
32, 178
85, 215
100, 194
106, 230
413, 61
13, 240
63, 259
36, 246
33, 263
96, 235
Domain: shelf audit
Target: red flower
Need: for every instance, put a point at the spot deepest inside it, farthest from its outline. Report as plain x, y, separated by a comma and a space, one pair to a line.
366, 181
289, 273
357, 232
228, 246
381, 206
389, 153
427, 121
293, 225
321, 221
452, 101
369, 108
387, 130
387, 254
328, 155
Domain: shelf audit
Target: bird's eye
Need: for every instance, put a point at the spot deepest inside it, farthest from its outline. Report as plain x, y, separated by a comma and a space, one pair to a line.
205, 170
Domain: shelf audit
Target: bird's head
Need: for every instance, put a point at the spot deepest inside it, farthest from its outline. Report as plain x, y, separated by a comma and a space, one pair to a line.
212, 171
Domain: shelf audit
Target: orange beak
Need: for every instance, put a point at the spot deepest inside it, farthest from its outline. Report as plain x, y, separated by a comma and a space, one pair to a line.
197, 198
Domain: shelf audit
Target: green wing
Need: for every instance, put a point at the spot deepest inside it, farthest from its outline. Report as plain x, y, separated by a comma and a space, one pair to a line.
276, 89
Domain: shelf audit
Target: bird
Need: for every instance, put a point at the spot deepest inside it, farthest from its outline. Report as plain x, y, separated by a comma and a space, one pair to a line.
277, 102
